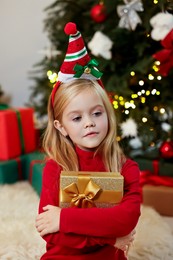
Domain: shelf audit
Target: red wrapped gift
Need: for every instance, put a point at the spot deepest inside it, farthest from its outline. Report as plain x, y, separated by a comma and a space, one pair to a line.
17, 133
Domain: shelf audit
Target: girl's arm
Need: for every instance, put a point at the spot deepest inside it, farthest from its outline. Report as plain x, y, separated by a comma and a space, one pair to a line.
50, 196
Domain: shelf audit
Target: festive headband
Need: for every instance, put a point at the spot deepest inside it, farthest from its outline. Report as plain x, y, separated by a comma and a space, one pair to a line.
77, 63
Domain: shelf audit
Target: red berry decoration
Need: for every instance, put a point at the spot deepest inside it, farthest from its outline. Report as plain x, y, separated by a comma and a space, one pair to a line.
166, 149
98, 13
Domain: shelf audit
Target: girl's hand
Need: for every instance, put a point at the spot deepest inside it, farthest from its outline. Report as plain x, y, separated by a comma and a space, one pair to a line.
48, 221
123, 243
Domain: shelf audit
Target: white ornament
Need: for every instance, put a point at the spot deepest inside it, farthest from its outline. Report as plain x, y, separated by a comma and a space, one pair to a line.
129, 128
129, 17
100, 45
162, 24
166, 127
135, 143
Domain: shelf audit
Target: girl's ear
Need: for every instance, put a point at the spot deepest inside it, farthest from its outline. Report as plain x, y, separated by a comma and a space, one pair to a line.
60, 128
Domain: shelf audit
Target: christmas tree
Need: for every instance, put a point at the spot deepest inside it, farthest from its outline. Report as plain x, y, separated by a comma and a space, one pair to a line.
133, 42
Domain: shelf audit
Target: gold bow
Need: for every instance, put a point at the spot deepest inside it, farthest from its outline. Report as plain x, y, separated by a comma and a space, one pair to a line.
84, 199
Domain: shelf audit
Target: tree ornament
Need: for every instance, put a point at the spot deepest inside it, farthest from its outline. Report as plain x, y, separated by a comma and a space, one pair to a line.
129, 128
98, 12
162, 24
166, 149
129, 18
165, 56
100, 45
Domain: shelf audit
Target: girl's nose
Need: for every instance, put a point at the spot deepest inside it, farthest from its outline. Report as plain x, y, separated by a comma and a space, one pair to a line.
89, 123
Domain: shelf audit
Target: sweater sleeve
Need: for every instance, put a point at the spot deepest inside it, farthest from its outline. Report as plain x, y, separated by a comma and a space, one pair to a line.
50, 196
112, 222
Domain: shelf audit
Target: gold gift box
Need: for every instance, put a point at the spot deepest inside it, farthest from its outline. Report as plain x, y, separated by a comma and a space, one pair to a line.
90, 189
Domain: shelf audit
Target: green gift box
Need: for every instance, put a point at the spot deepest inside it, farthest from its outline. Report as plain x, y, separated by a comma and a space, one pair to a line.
28, 160
19, 168
11, 170
157, 167
36, 176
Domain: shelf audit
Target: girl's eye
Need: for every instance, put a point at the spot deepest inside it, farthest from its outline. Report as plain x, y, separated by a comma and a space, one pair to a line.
77, 118
98, 113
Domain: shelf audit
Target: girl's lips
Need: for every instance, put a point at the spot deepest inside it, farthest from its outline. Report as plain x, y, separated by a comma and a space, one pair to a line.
91, 134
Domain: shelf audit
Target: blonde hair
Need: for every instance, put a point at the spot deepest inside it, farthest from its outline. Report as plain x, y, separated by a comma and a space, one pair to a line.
60, 148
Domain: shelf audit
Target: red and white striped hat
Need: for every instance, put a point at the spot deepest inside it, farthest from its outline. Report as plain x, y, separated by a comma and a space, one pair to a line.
77, 63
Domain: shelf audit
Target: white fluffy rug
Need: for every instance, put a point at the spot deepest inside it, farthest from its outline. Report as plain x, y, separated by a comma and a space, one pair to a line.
20, 241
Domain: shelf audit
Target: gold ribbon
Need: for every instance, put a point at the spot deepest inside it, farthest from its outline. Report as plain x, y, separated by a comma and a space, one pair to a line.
85, 199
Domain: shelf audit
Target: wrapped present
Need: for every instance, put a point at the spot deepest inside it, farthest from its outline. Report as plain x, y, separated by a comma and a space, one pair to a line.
36, 176
160, 198
11, 170
17, 133
29, 160
156, 167
90, 189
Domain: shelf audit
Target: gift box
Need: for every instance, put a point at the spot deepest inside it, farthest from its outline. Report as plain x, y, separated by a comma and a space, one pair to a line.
157, 167
160, 198
90, 189
17, 133
11, 171
36, 176
28, 160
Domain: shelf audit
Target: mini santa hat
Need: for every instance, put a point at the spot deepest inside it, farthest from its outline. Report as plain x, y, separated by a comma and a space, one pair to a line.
77, 63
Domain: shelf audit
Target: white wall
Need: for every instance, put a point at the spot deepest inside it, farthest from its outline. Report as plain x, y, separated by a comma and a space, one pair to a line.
21, 39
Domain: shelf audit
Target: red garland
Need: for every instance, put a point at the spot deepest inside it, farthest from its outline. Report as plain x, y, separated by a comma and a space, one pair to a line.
165, 56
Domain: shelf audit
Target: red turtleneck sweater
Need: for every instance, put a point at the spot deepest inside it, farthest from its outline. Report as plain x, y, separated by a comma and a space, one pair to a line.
89, 234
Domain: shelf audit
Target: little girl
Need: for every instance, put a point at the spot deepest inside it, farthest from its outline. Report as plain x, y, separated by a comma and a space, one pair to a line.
81, 136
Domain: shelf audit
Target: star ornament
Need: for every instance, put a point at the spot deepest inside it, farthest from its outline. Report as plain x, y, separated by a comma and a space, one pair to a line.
165, 56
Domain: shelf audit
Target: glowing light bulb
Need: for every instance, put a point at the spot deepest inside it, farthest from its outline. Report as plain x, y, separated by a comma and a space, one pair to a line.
157, 62
150, 77
143, 100
144, 119
132, 73
153, 92
159, 77
162, 110
134, 96
141, 83
155, 108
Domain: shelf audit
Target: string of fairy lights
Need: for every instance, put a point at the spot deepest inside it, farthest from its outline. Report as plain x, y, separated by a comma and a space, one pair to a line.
120, 101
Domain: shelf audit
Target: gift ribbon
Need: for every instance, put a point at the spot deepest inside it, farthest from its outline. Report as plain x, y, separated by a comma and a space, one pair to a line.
153, 178
19, 166
21, 137
86, 193
89, 68
33, 162
85, 199
147, 177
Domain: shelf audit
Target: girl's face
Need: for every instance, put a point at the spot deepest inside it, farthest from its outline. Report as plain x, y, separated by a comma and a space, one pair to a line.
84, 120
